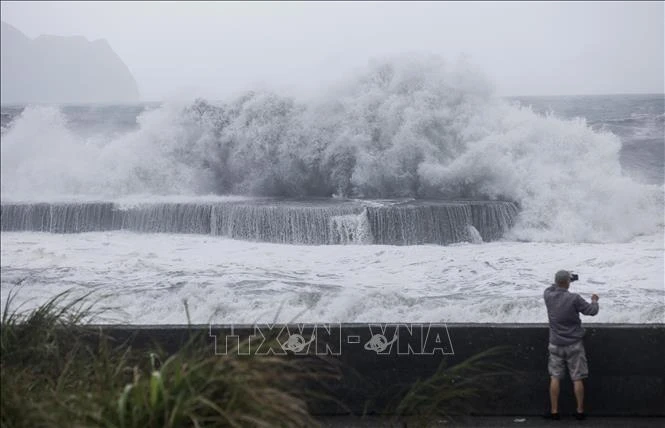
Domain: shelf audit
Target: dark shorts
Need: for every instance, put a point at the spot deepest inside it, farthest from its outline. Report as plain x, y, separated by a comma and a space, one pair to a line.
572, 356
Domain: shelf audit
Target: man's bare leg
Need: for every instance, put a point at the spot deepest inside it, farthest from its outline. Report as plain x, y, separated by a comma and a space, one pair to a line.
579, 395
554, 393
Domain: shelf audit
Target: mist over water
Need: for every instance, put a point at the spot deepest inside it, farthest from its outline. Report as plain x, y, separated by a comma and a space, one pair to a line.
406, 127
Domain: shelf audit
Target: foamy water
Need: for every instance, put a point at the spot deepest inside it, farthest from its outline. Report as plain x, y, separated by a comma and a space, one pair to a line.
147, 276
412, 126
587, 174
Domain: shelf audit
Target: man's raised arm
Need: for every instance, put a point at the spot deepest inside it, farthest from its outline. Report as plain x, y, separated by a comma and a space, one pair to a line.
585, 307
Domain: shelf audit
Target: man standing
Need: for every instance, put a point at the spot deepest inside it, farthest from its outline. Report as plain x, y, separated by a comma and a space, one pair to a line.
566, 333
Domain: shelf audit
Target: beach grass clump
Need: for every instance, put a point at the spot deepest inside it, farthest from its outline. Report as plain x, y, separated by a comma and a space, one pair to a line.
57, 369
58, 372
452, 390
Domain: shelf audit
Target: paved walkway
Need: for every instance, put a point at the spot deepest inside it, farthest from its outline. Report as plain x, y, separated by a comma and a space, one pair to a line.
496, 421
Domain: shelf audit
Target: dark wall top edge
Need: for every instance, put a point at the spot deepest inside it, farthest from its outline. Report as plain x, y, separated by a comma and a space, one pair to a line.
360, 325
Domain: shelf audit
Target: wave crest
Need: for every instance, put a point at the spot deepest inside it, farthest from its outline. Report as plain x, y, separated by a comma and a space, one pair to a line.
412, 126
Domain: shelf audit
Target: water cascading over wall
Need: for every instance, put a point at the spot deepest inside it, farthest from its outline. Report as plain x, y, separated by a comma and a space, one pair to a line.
292, 223
308, 222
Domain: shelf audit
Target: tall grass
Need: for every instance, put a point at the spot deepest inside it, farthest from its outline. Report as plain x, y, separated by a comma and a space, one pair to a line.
452, 390
58, 372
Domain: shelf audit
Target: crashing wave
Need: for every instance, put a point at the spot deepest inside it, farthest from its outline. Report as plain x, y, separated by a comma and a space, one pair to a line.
408, 127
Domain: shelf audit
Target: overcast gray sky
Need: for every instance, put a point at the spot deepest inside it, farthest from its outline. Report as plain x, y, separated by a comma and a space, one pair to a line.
215, 49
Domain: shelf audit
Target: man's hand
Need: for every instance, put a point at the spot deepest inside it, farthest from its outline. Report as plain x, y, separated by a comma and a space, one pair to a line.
594, 298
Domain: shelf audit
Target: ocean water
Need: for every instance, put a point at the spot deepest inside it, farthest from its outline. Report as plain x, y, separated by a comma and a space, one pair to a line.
145, 278
585, 175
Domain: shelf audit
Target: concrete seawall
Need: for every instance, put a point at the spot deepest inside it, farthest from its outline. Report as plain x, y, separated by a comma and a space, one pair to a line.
627, 362
310, 222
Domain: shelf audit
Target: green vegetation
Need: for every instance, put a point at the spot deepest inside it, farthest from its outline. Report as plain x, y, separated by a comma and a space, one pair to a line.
451, 390
56, 370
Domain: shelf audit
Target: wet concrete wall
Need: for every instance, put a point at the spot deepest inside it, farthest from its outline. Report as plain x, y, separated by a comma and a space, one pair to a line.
626, 362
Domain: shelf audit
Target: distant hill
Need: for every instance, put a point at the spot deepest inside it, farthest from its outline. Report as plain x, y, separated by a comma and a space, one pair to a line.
54, 69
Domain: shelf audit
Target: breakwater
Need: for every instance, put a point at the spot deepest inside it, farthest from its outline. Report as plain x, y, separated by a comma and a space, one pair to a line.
315, 222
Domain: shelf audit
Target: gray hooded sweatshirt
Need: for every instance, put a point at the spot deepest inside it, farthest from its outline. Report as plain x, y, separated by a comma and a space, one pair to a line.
563, 309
